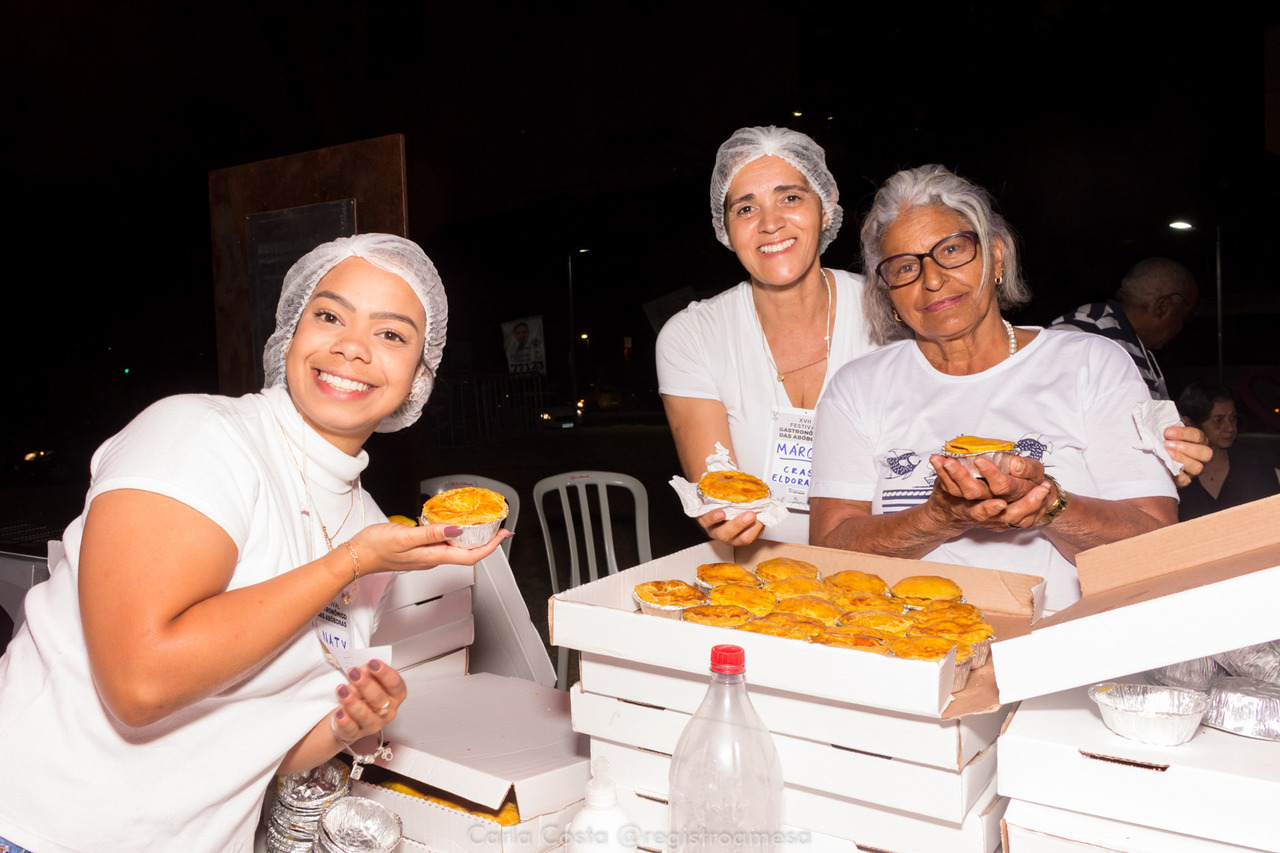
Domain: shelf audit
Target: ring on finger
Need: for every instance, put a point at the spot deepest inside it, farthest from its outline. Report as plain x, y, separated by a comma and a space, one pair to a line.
383, 708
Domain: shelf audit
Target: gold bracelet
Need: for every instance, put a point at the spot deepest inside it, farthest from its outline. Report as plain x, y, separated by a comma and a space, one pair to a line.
355, 575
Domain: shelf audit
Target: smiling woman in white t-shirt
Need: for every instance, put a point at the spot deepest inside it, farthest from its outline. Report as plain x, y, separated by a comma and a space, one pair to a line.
746, 368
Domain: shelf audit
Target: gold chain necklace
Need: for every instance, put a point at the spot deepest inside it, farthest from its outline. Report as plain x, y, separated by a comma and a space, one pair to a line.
306, 488
764, 343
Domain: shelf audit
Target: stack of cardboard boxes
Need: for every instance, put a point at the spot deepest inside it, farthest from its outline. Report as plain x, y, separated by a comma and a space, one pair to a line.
876, 752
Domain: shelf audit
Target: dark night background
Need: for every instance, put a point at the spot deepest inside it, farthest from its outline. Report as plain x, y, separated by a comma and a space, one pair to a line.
535, 130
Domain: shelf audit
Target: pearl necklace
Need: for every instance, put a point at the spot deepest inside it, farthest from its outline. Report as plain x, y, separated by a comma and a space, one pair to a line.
1013, 339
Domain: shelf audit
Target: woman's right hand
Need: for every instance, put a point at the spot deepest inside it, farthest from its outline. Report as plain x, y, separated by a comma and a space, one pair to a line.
393, 547
999, 500
742, 530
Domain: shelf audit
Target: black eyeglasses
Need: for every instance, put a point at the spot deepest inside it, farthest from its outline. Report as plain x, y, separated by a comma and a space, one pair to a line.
948, 253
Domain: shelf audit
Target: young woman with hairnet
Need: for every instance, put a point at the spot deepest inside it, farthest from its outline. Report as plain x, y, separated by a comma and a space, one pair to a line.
174, 662
746, 368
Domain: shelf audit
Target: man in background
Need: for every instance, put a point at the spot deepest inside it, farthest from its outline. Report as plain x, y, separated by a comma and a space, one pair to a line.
1149, 309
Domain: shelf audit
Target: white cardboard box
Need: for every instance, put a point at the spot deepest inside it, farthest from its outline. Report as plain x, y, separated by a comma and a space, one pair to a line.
481, 737
949, 744
916, 788
412, 588
426, 630
838, 825
1138, 596
1056, 751
1036, 828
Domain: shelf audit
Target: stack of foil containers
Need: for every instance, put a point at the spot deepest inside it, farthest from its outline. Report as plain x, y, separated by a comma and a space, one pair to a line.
1243, 687
301, 800
357, 825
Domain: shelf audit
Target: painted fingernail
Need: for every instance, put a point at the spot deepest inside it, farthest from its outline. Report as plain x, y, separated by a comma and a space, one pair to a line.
343, 692
375, 666
452, 530
340, 716
354, 675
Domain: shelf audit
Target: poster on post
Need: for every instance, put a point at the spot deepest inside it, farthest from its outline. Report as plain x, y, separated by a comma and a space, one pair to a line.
526, 351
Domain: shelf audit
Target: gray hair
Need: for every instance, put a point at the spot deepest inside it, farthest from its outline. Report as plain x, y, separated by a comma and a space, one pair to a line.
933, 186
1153, 278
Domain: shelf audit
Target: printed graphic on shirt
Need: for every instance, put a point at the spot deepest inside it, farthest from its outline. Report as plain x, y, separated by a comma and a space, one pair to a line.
908, 477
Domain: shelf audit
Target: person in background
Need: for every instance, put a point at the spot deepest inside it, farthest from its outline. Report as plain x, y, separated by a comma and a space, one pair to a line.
1148, 311
189, 644
746, 368
944, 267
1236, 474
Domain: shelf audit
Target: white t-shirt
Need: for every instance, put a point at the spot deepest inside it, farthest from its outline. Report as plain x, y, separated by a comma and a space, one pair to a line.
1066, 398
713, 350
77, 780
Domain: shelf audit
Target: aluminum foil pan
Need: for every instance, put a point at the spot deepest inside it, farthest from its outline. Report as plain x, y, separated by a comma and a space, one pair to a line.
1196, 674
1261, 662
358, 825
1244, 707
300, 800
1163, 716
998, 458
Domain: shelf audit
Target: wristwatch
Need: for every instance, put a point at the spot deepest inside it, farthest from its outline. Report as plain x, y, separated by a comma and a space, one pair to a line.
1058, 507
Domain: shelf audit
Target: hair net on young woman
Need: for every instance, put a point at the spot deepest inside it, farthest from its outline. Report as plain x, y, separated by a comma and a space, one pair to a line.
751, 143
387, 252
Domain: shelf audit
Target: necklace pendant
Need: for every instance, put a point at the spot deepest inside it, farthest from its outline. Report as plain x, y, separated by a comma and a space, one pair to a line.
779, 377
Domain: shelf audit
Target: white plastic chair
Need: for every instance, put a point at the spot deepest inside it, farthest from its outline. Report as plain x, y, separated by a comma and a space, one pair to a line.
436, 485
577, 482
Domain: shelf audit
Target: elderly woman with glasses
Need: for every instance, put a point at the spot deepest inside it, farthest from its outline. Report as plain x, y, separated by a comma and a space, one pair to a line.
1237, 473
943, 267
183, 650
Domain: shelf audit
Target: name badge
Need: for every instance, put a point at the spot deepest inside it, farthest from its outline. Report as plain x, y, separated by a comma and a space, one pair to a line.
789, 456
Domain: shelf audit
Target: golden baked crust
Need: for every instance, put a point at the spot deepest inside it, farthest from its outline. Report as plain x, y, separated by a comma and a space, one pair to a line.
867, 601
890, 623
962, 629
966, 444
793, 586
785, 567
718, 615
929, 648
718, 574
811, 606
851, 580
948, 608
918, 590
861, 642
756, 600
465, 506
672, 593
734, 486
797, 628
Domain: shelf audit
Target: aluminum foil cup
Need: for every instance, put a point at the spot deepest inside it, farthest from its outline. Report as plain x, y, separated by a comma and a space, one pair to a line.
1244, 707
475, 535
981, 653
960, 675
666, 611
358, 825
1163, 716
999, 458
1195, 674
1261, 662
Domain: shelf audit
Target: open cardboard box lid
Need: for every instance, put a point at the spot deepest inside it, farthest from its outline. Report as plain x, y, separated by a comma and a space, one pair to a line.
1186, 591
479, 736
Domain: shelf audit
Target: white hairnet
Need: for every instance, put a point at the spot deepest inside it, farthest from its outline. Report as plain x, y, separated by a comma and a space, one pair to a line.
751, 143
387, 252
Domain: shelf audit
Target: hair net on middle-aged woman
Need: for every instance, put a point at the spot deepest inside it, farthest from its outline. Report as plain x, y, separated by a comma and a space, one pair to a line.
751, 143
387, 252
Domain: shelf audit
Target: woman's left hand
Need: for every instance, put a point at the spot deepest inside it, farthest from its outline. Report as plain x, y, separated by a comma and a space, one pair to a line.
367, 702
1187, 445
1017, 497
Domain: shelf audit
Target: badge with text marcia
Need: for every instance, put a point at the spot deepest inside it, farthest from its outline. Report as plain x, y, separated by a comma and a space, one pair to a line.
790, 456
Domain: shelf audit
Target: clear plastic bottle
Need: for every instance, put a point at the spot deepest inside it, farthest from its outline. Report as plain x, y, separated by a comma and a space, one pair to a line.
600, 826
726, 779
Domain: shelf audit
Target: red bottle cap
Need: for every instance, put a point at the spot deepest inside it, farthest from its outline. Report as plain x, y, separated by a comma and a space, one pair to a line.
730, 660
